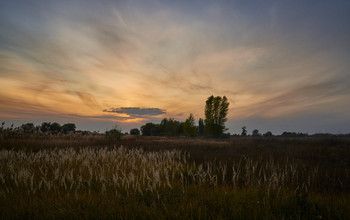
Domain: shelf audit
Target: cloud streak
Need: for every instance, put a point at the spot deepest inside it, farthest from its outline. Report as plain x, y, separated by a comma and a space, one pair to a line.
137, 112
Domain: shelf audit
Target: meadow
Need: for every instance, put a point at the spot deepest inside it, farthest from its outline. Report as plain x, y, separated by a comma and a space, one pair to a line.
76, 176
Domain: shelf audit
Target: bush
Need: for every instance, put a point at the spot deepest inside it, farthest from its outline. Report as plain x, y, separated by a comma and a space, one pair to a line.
268, 134
134, 131
114, 134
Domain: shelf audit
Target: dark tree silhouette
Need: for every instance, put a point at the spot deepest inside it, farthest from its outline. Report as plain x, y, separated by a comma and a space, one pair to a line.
216, 109
164, 126
200, 127
69, 127
147, 129
256, 133
45, 126
189, 127
134, 131
55, 128
114, 134
28, 128
167, 127
244, 131
268, 134
172, 127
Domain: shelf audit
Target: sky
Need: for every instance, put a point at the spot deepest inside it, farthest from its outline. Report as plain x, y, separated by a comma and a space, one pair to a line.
284, 65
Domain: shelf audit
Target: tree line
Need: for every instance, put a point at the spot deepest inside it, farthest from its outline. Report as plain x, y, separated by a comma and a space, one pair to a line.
213, 125
45, 128
216, 109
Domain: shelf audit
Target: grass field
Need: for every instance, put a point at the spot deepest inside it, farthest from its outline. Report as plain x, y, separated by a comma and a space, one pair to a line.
174, 178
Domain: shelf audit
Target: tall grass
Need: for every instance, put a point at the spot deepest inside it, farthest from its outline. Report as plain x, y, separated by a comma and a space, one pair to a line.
133, 183
125, 171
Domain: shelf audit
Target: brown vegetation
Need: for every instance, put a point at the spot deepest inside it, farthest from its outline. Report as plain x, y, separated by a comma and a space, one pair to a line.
240, 177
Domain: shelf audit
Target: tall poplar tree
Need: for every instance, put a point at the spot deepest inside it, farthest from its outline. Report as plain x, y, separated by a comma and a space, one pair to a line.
216, 109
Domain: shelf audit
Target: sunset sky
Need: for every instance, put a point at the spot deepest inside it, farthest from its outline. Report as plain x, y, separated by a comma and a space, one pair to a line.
283, 65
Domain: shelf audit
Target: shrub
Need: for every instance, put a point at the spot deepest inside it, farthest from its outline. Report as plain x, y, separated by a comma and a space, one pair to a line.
134, 131
114, 134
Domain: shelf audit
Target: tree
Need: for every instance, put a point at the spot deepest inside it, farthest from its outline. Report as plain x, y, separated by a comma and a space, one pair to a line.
244, 131
28, 128
293, 134
200, 127
2, 126
216, 109
69, 127
55, 128
256, 133
268, 134
179, 128
114, 134
45, 126
164, 126
189, 128
134, 131
170, 127
147, 129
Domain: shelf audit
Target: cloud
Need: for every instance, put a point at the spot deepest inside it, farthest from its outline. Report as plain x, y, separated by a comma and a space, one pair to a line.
137, 112
104, 117
88, 99
270, 61
318, 97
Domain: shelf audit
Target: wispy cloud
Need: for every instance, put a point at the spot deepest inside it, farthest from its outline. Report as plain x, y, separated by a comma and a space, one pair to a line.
88, 99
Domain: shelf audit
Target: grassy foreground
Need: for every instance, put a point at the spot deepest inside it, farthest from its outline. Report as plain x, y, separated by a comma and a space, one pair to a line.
178, 179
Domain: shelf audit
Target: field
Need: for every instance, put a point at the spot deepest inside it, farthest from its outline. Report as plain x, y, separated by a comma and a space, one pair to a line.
174, 178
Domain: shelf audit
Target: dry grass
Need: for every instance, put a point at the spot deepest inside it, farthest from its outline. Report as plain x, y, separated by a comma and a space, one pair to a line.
247, 178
